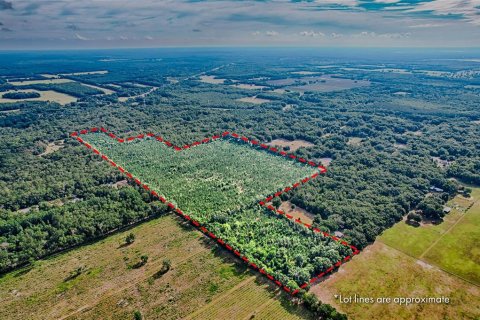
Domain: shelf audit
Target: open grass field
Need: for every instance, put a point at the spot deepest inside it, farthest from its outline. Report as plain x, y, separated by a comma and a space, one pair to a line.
457, 250
451, 245
200, 273
218, 184
431, 260
381, 271
45, 95
254, 100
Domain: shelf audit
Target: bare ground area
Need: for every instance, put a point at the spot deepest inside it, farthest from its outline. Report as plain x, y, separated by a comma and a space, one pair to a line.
52, 147
211, 80
354, 141
254, 100
325, 161
297, 212
293, 145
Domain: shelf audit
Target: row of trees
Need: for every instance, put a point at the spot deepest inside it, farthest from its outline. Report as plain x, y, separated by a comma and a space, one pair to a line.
21, 95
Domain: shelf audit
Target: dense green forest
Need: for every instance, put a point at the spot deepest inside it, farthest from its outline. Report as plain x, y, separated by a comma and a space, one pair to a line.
401, 125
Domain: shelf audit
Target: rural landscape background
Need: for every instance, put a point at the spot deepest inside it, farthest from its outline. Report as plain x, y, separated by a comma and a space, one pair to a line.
305, 163
389, 133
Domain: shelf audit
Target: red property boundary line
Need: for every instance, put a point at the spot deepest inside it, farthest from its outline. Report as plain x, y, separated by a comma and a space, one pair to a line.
264, 203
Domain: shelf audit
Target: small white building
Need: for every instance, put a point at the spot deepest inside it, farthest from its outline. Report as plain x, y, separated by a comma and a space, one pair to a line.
338, 234
436, 189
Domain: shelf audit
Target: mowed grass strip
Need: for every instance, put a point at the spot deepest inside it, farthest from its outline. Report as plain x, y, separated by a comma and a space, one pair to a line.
214, 177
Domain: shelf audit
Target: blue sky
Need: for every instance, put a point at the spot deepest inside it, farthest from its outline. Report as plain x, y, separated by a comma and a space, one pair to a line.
55, 24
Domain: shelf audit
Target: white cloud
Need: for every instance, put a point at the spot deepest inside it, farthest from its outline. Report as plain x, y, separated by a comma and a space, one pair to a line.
428, 25
271, 33
394, 35
148, 38
226, 22
312, 33
80, 37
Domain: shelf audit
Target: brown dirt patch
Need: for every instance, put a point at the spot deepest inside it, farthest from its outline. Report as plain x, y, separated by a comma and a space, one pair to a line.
254, 100
297, 212
354, 141
52, 147
294, 145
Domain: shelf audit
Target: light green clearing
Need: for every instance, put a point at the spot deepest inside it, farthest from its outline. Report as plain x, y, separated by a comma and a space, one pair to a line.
215, 177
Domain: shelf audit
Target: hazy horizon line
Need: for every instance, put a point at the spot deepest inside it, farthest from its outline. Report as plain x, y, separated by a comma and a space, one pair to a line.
447, 48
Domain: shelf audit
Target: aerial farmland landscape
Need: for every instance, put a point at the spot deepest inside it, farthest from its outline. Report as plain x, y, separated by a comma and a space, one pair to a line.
240, 160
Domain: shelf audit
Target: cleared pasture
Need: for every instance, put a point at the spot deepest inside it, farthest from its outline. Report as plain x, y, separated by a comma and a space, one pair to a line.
200, 273
253, 100
45, 95
381, 271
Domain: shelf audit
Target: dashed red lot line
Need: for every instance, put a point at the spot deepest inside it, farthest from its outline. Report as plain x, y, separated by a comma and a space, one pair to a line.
203, 229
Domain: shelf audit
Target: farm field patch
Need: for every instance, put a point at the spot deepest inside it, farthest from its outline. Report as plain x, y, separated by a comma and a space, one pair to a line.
248, 86
45, 95
252, 298
211, 79
217, 185
324, 83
